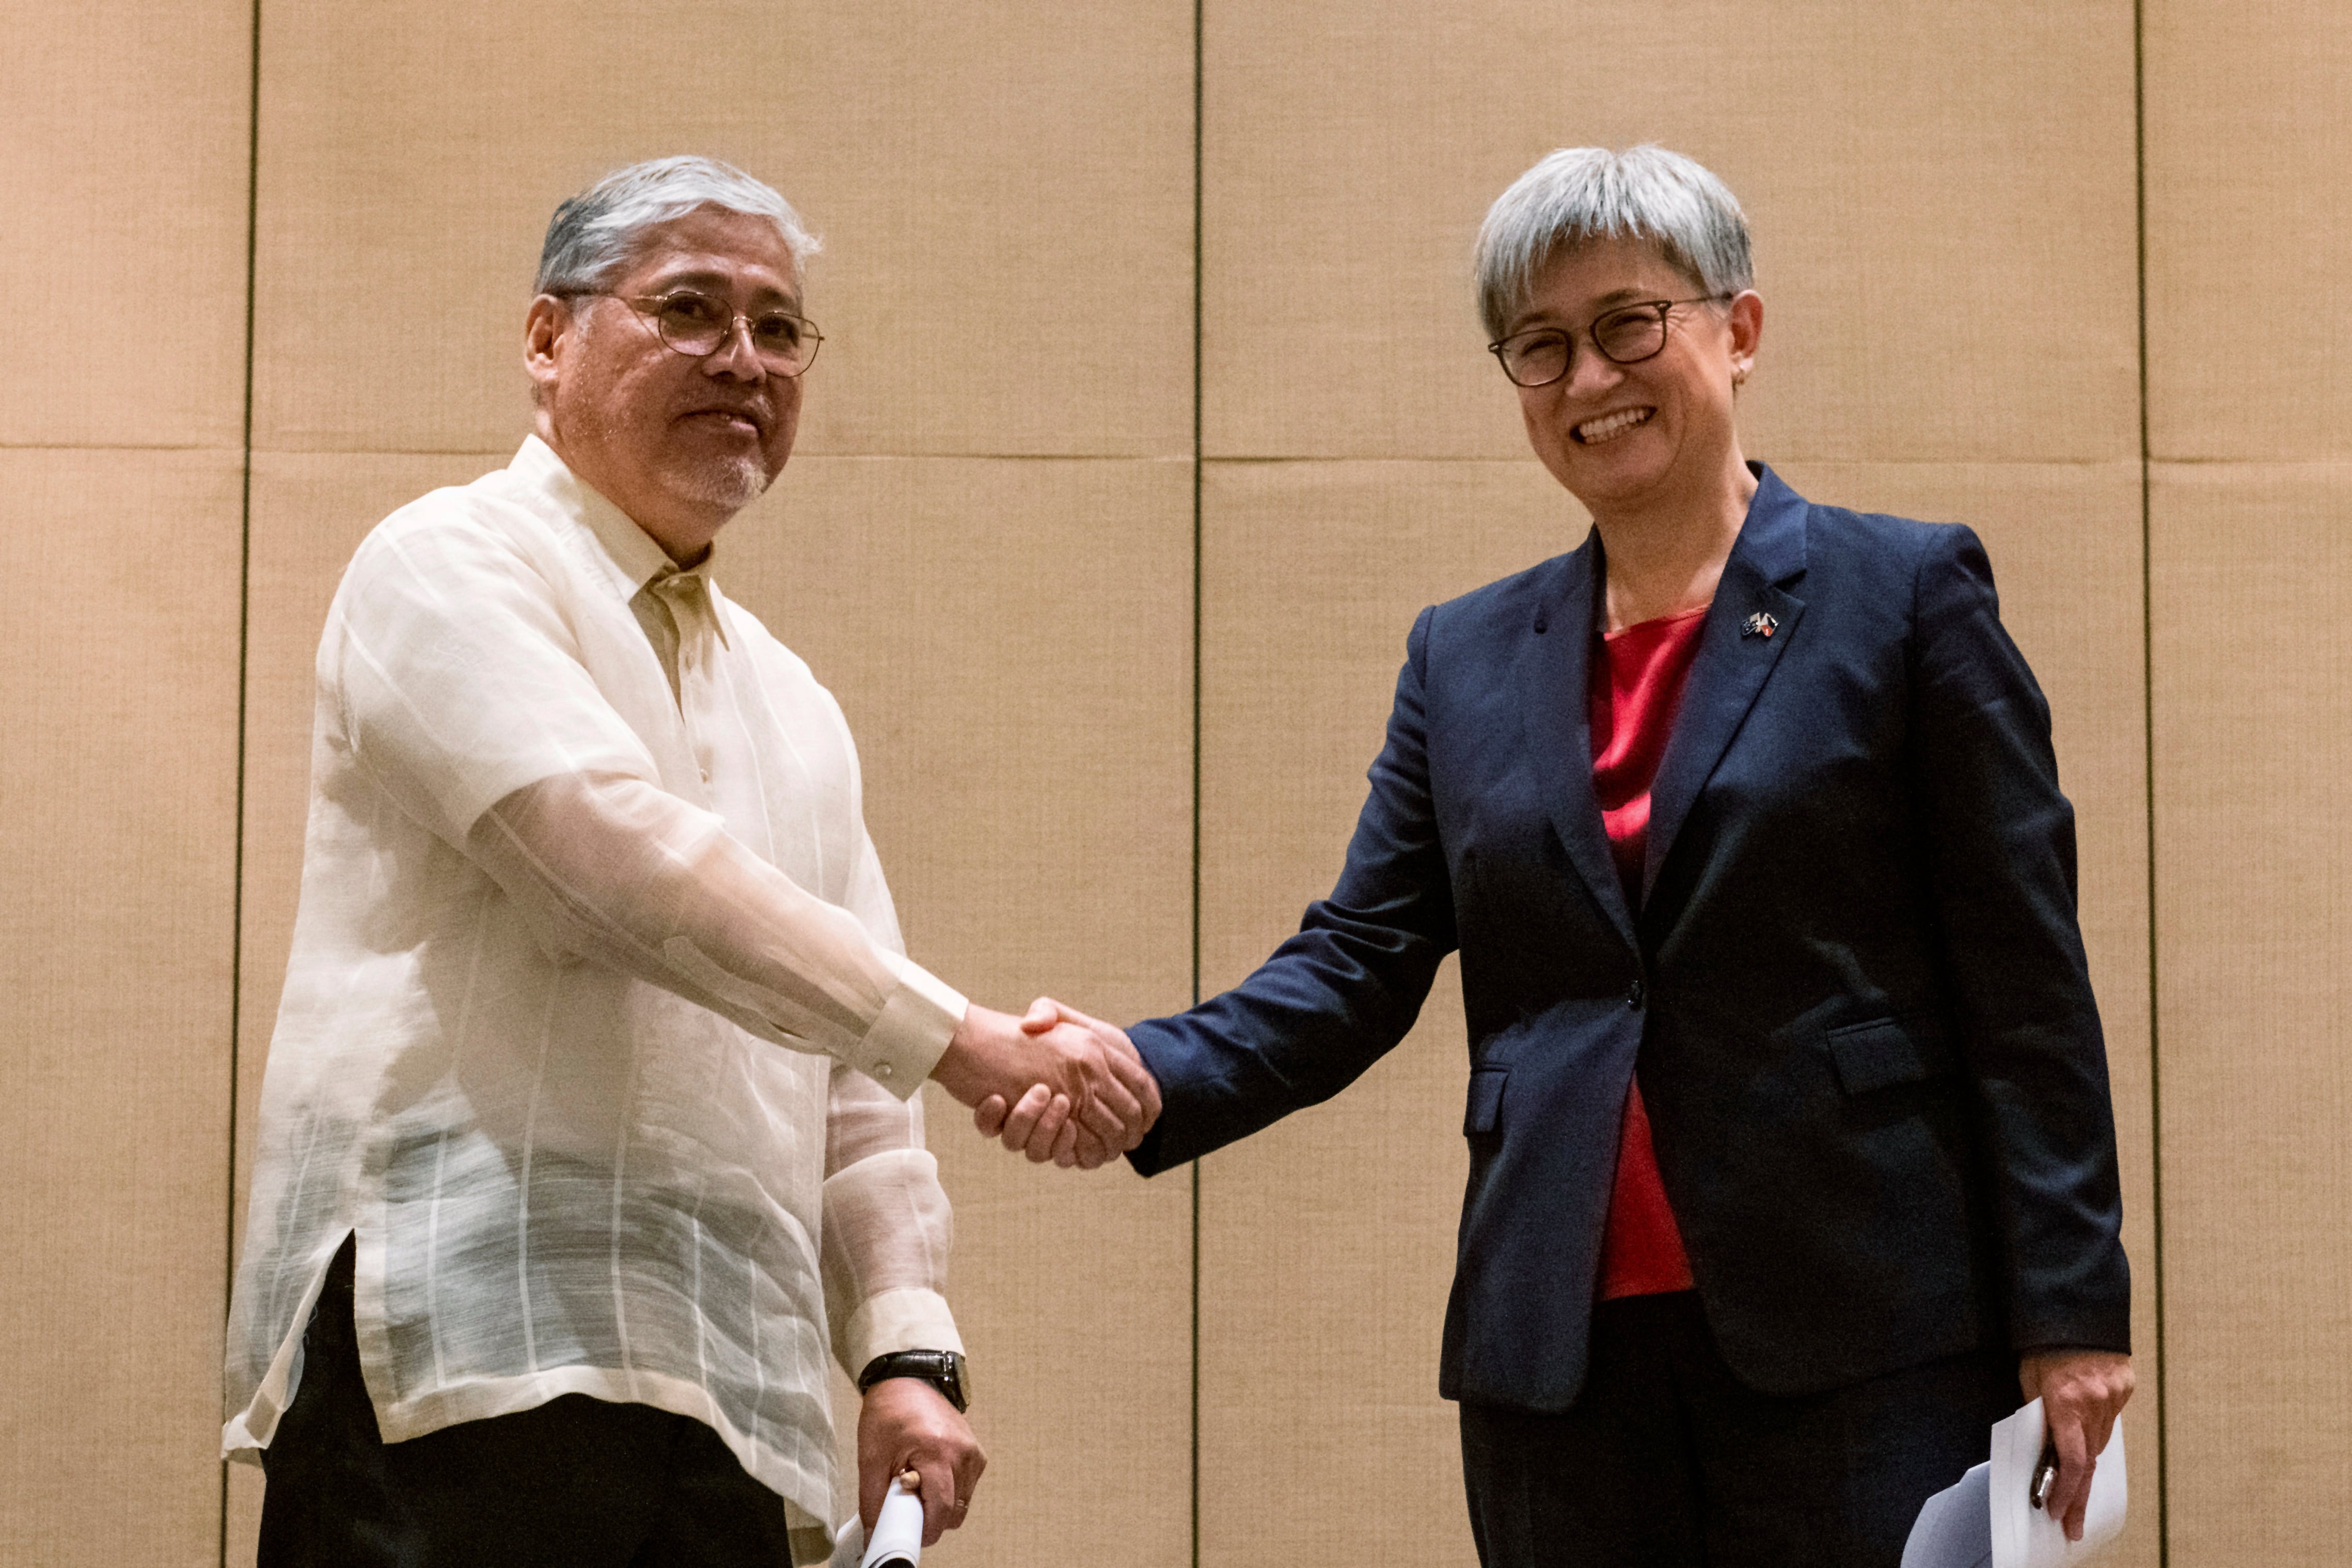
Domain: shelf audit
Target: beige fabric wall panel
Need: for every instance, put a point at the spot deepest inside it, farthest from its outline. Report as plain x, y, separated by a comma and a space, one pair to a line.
2252, 587
2248, 133
1012, 643
116, 930
122, 169
1327, 1249
1332, 1233
1933, 189
1005, 198
2249, 409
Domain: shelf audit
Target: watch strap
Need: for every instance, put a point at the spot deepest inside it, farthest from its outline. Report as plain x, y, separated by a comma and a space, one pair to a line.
944, 1369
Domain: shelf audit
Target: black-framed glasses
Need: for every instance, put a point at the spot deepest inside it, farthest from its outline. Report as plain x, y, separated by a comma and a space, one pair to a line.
694, 324
1625, 336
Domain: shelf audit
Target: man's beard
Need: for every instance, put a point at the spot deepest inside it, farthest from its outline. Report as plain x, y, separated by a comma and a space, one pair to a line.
733, 483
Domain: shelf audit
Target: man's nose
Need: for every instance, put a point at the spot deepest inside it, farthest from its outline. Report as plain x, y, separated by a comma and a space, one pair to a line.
735, 356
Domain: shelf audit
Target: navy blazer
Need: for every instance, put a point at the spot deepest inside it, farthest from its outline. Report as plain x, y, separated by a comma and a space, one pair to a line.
1854, 987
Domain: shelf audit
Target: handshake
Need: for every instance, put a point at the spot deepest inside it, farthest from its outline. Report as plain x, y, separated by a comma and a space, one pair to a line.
1054, 1083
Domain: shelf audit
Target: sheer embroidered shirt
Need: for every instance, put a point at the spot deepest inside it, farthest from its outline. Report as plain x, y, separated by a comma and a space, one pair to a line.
597, 1029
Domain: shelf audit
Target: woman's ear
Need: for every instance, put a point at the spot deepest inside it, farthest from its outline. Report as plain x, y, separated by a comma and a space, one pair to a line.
1746, 323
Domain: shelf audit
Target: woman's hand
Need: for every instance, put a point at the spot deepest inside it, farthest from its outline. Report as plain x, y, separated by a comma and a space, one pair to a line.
2082, 1393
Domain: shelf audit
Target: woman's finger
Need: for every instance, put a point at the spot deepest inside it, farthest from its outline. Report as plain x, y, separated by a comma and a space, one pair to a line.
2072, 1488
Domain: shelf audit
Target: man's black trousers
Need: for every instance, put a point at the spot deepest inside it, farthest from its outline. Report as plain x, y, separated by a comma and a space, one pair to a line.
576, 1482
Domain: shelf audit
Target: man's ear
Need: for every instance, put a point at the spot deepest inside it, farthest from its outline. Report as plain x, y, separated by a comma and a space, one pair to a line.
544, 329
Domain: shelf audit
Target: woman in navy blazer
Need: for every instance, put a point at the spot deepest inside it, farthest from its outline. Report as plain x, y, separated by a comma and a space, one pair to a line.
1847, 971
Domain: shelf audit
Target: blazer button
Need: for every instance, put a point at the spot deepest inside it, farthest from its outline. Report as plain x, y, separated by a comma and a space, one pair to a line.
1633, 996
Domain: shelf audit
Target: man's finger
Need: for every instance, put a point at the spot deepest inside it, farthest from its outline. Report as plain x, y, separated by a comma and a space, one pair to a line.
967, 1481
1065, 1144
939, 1494
873, 1486
1021, 1121
1042, 1014
1039, 1146
989, 1115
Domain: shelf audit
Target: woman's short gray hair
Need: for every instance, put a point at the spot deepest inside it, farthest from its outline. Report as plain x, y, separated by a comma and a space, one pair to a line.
1579, 194
593, 234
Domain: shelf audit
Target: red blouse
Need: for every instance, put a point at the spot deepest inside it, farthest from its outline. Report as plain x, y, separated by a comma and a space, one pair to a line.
1635, 691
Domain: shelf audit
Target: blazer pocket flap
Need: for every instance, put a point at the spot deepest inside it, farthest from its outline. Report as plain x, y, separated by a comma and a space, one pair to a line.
1870, 1056
1485, 1100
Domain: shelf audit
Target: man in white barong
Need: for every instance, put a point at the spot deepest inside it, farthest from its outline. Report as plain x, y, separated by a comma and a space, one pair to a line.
589, 1125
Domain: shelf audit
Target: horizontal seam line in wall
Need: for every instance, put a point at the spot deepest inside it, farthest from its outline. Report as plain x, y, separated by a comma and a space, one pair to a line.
1233, 459
801, 455
232, 447
2343, 462
2124, 461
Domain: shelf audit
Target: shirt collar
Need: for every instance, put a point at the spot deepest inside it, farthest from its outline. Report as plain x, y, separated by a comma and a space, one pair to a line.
629, 551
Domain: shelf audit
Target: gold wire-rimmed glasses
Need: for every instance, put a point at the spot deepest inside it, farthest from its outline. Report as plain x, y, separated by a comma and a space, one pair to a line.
694, 324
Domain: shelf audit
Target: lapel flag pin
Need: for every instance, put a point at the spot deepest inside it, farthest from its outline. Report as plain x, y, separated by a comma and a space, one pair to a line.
1759, 624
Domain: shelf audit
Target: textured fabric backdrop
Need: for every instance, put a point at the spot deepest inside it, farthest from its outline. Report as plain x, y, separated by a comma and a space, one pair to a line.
2067, 273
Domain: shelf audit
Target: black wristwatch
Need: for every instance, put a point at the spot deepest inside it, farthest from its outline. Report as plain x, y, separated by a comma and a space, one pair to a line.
942, 1369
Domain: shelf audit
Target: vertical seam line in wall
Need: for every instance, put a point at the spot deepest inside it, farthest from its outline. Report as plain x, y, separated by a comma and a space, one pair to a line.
2147, 735
243, 645
1199, 139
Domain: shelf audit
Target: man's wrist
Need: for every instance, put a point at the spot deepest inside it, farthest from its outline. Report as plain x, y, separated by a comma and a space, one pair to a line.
963, 1069
903, 1045
944, 1369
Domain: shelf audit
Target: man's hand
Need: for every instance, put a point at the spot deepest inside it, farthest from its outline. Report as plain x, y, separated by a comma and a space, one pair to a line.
906, 1424
2082, 1393
1030, 1123
1092, 1098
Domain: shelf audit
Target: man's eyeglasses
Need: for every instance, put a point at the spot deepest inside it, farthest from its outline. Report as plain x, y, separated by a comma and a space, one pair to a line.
1625, 336
698, 326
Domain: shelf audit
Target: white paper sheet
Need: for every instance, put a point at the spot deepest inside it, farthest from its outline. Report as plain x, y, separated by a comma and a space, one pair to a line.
897, 1534
1954, 1526
2026, 1537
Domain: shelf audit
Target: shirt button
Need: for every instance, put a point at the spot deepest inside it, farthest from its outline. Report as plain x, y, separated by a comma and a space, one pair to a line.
885, 1071
706, 776
1634, 994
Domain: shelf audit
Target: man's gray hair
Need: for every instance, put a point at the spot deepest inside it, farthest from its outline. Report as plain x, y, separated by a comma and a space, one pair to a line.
593, 235
1579, 194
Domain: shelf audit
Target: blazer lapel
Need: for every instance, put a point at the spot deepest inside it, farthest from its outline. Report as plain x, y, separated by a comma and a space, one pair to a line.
1750, 625
1553, 669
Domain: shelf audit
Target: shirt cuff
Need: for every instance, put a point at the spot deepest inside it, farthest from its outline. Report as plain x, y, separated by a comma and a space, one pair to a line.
910, 1033
909, 1317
